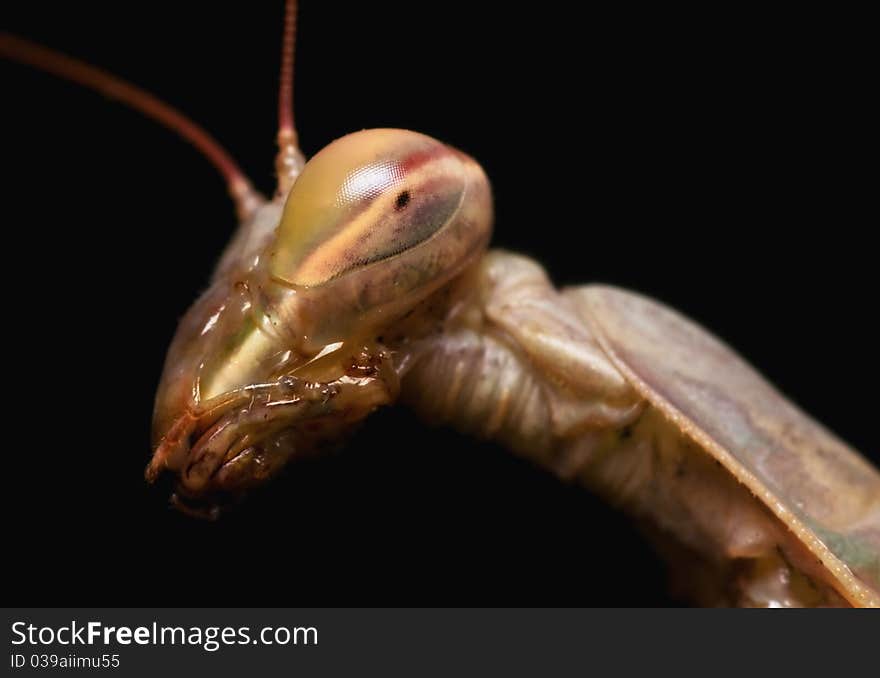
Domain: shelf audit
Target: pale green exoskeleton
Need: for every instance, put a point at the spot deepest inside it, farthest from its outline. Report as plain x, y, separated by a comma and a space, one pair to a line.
367, 281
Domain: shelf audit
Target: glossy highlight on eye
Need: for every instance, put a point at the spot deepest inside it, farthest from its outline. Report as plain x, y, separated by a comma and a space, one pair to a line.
369, 182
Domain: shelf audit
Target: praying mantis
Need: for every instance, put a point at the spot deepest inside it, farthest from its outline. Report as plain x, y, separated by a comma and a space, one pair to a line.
570, 379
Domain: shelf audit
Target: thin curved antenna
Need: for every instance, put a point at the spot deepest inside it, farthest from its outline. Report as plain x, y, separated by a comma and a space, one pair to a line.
24, 51
290, 159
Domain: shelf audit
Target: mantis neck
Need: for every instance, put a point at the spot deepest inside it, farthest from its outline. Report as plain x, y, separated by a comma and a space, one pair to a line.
514, 362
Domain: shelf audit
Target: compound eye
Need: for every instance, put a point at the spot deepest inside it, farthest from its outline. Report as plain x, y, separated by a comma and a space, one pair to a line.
366, 197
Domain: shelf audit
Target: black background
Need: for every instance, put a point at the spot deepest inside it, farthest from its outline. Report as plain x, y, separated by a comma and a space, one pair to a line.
712, 161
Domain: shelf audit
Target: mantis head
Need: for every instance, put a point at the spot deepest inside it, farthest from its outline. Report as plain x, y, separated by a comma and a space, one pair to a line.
284, 352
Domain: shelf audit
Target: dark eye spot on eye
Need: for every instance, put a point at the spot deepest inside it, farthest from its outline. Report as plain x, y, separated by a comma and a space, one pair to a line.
401, 201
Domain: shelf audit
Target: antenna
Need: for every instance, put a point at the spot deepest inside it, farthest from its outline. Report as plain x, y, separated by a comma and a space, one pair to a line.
290, 160
24, 51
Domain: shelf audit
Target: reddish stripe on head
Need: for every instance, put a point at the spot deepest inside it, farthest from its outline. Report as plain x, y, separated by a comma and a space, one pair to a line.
417, 159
